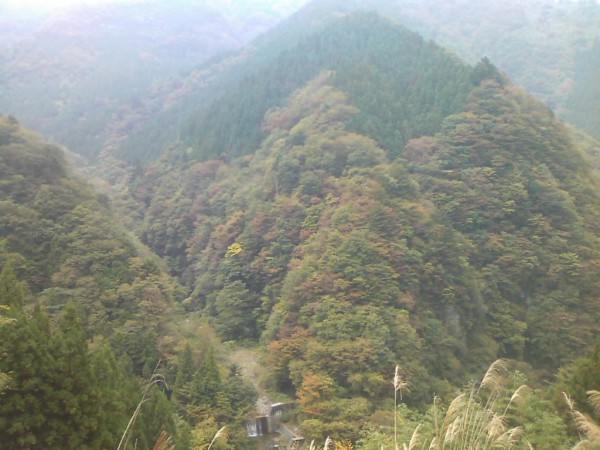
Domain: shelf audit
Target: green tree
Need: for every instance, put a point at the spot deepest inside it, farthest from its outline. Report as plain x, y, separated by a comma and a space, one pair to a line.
578, 377
60, 394
24, 354
206, 382
118, 392
12, 292
240, 394
234, 306
485, 70
156, 415
185, 367
72, 396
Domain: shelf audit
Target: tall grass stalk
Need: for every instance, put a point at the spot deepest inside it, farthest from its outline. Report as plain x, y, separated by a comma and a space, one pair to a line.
399, 385
217, 435
155, 379
163, 442
325, 446
588, 429
473, 420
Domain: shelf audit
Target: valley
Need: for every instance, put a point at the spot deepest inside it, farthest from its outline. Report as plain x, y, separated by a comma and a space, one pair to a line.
349, 208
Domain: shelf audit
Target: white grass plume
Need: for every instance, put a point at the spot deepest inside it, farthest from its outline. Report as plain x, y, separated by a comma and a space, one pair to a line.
589, 430
473, 420
594, 401
218, 434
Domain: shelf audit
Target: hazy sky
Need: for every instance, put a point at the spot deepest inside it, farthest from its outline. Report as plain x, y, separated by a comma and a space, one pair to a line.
46, 5
49, 5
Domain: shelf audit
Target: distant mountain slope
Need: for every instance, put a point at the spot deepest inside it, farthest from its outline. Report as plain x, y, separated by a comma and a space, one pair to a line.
584, 98
77, 82
86, 75
16, 25
535, 42
402, 85
135, 74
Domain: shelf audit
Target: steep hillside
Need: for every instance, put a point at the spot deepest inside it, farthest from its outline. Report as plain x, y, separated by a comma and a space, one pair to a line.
402, 85
477, 242
356, 199
139, 95
63, 240
134, 75
536, 43
91, 331
74, 292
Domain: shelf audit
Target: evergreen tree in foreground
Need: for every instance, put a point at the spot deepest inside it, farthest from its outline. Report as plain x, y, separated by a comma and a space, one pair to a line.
58, 394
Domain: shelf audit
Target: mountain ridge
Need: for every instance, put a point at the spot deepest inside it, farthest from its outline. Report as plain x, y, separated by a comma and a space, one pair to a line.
478, 242
359, 204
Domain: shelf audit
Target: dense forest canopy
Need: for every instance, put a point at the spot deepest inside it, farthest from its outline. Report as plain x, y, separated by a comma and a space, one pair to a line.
346, 258
343, 216
94, 313
145, 69
60, 237
539, 43
402, 85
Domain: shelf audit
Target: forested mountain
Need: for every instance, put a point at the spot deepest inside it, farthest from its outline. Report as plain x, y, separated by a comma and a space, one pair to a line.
61, 239
540, 44
86, 77
405, 86
441, 220
537, 43
75, 290
402, 85
153, 63
345, 198
584, 98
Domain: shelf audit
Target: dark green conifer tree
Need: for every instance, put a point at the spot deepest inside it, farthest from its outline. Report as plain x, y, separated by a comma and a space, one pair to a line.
206, 382
156, 415
485, 70
12, 291
118, 395
59, 395
185, 367
24, 355
73, 397
240, 394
